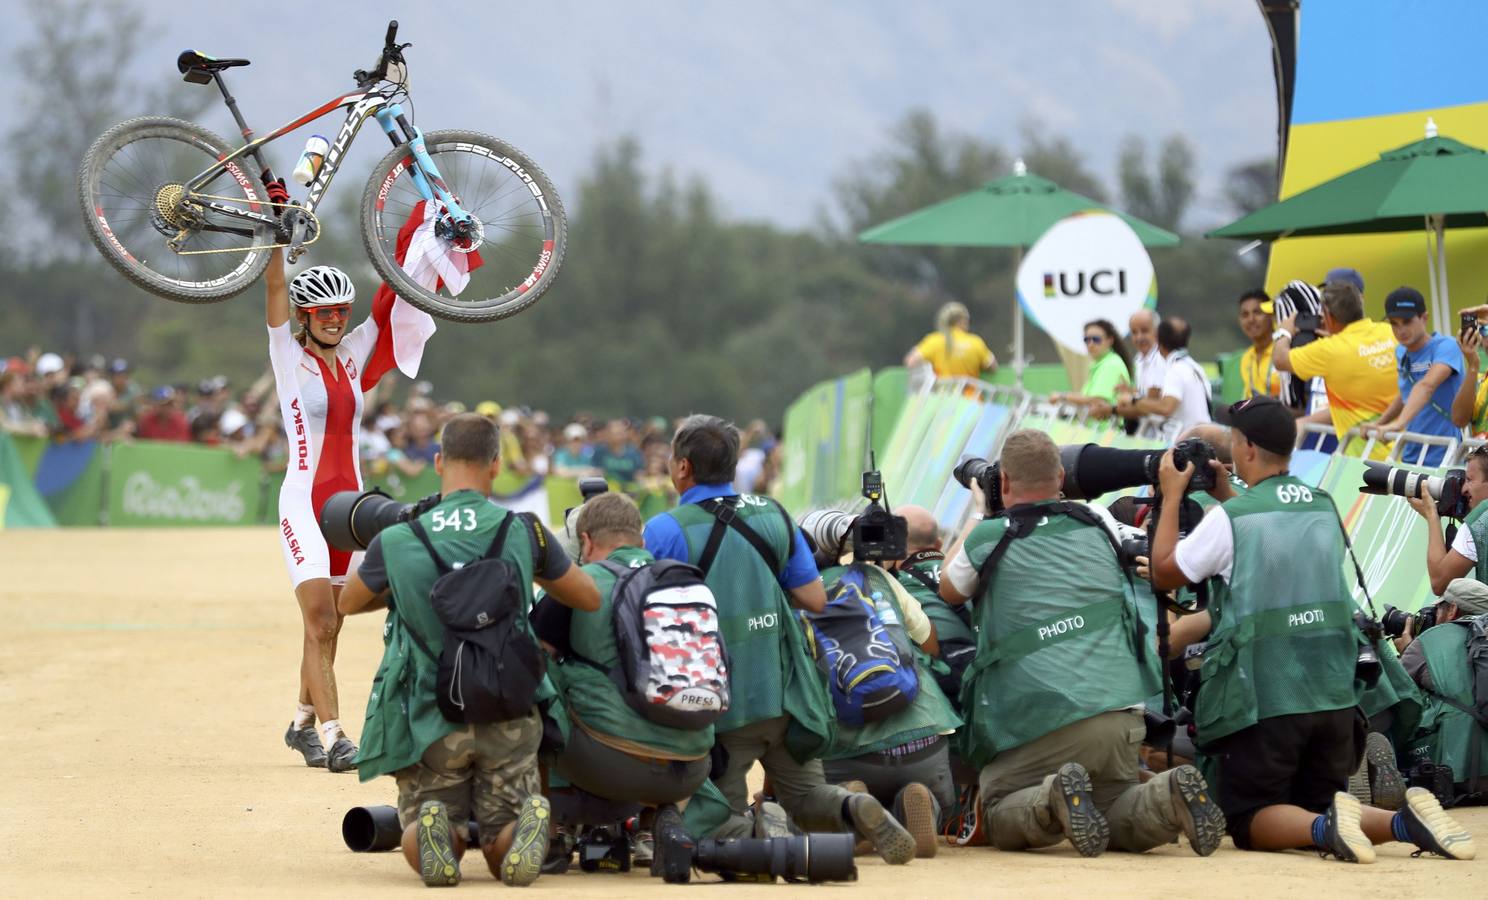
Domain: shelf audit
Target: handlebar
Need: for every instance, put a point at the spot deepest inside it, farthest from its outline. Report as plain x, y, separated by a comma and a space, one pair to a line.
392, 51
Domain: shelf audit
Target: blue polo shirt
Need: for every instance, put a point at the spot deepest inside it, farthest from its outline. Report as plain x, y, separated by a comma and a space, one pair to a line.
665, 540
1436, 416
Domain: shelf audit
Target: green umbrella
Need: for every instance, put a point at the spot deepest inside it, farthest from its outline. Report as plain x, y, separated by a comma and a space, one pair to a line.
1007, 212
1434, 184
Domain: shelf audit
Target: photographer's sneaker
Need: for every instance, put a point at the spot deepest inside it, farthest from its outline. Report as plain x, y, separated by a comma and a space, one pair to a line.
438, 864
307, 741
560, 852
529, 847
870, 820
1072, 803
963, 826
919, 817
342, 757
642, 848
770, 819
1431, 829
1341, 834
668, 821
1196, 810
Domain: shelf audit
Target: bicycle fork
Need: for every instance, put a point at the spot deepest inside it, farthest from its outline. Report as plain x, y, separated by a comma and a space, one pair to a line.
454, 220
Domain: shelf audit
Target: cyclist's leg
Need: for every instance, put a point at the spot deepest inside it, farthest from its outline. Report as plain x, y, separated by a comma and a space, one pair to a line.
309, 562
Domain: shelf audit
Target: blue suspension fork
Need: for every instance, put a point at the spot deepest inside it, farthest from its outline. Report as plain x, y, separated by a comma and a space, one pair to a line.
425, 174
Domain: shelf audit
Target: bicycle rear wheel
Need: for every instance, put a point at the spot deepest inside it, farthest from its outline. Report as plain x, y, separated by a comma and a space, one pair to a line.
131, 186
522, 233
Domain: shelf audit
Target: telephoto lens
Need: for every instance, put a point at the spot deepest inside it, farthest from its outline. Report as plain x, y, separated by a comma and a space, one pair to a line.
811, 857
349, 520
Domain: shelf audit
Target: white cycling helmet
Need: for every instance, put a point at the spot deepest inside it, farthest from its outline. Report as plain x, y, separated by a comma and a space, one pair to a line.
321, 286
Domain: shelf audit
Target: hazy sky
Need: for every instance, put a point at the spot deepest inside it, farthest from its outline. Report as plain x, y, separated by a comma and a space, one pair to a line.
768, 101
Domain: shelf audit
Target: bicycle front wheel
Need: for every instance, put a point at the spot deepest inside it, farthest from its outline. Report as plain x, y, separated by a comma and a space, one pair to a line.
132, 189
520, 235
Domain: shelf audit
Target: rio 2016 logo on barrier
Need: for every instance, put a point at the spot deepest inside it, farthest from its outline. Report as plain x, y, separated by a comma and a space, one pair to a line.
186, 500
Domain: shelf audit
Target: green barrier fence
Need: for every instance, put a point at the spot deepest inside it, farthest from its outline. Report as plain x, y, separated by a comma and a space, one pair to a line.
826, 442
167, 484
890, 392
21, 505
1389, 539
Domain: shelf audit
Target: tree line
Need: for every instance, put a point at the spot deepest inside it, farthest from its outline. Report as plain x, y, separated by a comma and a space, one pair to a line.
665, 304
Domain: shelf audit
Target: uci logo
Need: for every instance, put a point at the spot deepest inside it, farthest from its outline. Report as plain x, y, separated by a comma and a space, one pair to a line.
1101, 282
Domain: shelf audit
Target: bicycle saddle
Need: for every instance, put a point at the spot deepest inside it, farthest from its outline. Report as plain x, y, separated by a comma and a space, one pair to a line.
198, 67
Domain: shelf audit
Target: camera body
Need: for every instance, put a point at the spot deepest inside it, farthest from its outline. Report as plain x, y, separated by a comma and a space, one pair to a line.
1394, 622
1197, 453
877, 534
1308, 325
975, 470
604, 848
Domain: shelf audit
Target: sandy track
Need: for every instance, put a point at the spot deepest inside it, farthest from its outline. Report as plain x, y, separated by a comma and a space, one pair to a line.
146, 678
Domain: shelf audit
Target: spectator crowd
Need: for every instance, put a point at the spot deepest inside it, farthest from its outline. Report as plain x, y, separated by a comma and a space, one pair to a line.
68, 399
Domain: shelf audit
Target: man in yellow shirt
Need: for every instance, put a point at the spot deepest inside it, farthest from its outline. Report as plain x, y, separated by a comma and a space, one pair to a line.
1356, 360
1258, 374
951, 350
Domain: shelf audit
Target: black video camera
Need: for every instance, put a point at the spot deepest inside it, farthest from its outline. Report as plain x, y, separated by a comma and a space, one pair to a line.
974, 469
811, 857
349, 520
877, 534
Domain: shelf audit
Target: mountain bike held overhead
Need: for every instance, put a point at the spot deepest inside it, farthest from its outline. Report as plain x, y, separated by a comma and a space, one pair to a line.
187, 216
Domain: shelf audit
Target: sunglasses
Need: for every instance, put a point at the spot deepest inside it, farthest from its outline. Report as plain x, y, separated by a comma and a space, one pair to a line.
332, 313
1094, 339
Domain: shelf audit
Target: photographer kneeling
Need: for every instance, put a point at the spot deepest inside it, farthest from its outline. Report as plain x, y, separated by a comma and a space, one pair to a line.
1053, 700
1468, 554
449, 770
1442, 662
614, 751
1276, 711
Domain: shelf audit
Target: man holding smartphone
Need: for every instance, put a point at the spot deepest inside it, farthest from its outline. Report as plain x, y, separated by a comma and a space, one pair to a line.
1470, 406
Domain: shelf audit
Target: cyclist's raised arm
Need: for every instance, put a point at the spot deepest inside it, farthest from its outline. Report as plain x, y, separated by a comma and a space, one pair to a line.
277, 289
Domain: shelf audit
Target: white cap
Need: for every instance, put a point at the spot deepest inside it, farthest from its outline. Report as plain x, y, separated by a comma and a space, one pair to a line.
575, 430
232, 420
49, 363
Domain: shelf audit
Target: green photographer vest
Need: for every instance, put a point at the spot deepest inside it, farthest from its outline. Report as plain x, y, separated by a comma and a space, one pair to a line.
1449, 735
929, 714
949, 625
1284, 639
1476, 524
1057, 633
403, 717
592, 697
771, 673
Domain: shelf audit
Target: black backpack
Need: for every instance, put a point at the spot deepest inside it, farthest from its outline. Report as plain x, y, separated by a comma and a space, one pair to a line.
490, 667
673, 668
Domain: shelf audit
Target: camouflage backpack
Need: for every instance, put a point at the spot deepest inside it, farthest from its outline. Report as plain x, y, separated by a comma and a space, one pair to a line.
673, 666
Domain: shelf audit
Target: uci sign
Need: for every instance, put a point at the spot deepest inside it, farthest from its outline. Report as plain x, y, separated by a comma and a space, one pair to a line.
1088, 266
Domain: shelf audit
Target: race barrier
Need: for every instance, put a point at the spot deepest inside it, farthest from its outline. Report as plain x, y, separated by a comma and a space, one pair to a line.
164, 484
934, 428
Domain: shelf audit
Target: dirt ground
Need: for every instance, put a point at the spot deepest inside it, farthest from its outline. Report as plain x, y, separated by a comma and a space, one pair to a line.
146, 678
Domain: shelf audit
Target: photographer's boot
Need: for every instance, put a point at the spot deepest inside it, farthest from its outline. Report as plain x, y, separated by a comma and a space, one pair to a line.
1072, 804
870, 820
1196, 810
1383, 787
1424, 823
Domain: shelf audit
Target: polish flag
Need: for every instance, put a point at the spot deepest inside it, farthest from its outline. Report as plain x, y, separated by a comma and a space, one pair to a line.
402, 329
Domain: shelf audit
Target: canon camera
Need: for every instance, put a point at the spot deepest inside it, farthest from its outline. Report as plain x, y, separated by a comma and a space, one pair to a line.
1384, 479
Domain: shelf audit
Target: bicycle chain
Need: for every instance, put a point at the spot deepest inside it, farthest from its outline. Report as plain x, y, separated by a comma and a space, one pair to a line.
314, 221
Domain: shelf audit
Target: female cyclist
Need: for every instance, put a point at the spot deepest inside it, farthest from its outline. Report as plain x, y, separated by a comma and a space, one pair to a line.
322, 370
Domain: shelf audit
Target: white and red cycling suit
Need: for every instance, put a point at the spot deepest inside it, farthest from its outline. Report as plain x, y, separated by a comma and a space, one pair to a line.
322, 407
